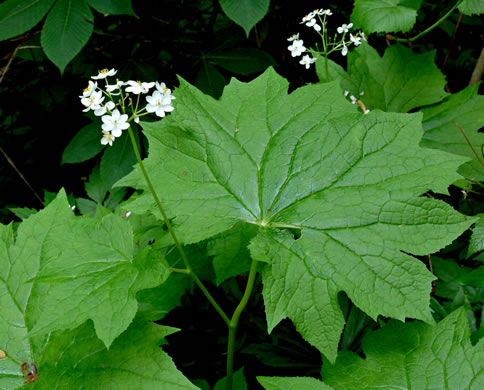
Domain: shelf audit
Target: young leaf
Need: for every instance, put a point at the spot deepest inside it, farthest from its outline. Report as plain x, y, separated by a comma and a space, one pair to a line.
385, 15
398, 82
84, 146
238, 383
441, 125
246, 13
19, 16
66, 30
413, 355
77, 359
350, 183
89, 271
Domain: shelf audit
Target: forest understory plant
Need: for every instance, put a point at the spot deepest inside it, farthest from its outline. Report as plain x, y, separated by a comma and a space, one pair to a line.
330, 198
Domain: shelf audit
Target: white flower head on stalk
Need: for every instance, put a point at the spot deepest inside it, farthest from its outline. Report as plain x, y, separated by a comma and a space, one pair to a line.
307, 61
114, 89
159, 103
326, 12
93, 102
293, 37
355, 39
103, 73
107, 139
345, 49
344, 28
91, 87
103, 109
138, 87
308, 17
296, 48
115, 123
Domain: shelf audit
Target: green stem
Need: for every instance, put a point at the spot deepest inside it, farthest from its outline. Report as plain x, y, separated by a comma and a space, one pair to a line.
431, 27
235, 320
188, 267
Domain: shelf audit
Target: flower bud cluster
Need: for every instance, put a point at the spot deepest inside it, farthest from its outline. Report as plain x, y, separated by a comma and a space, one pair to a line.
317, 20
112, 103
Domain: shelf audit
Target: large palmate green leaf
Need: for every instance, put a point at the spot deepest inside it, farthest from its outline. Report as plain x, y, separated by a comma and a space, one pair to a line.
413, 356
19, 16
246, 13
94, 275
77, 359
403, 356
66, 30
441, 123
398, 82
385, 15
308, 161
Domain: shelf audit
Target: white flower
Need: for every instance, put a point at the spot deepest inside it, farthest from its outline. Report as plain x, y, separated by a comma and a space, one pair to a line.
114, 89
91, 87
293, 37
362, 35
362, 93
346, 93
159, 103
345, 50
306, 60
327, 12
115, 123
344, 28
297, 48
308, 17
138, 87
93, 102
102, 110
103, 73
353, 99
355, 39
366, 112
107, 139
162, 88
312, 23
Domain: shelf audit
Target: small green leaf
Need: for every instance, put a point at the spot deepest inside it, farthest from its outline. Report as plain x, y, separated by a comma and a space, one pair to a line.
96, 189
294, 383
243, 60
77, 359
112, 7
210, 80
231, 255
246, 13
399, 82
385, 15
476, 243
238, 382
466, 109
90, 271
66, 30
19, 16
413, 356
470, 7
118, 160
85, 145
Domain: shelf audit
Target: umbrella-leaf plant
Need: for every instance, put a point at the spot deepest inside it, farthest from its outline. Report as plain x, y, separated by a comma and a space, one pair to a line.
325, 198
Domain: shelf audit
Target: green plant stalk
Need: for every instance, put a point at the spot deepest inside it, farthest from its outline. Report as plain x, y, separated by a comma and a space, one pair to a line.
188, 269
234, 322
431, 27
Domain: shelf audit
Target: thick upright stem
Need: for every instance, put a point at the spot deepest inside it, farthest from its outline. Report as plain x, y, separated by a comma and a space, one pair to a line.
188, 267
234, 322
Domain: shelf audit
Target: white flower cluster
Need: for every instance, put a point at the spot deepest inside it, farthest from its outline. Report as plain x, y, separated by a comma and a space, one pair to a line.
297, 47
114, 120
